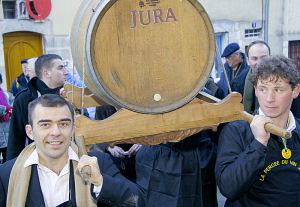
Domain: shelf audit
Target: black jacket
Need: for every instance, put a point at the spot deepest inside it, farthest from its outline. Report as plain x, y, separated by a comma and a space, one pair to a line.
251, 174
19, 119
115, 191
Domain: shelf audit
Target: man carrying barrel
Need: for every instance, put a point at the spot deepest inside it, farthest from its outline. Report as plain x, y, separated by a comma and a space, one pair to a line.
254, 167
45, 172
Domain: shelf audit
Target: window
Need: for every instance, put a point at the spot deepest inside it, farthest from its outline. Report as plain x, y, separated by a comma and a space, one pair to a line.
9, 8
250, 33
294, 52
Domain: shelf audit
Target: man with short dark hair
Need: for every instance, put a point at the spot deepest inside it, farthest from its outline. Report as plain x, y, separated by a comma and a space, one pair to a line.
254, 167
44, 173
51, 76
20, 83
256, 51
236, 69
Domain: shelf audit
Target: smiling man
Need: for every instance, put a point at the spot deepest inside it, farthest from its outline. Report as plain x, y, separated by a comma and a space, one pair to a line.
254, 167
51, 76
256, 51
44, 173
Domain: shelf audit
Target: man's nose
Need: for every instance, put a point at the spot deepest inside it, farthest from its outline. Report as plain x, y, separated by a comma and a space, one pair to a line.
270, 96
55, 130
66, 72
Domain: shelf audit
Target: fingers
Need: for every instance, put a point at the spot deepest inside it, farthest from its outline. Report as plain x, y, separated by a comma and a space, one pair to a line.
116, 151
61, 91
258, 128
134, 149
95, 176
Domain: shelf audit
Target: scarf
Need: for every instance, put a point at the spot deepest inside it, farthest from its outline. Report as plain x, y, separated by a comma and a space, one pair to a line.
20, 176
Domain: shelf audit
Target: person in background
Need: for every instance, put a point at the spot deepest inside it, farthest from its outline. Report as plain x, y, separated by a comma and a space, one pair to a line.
74, 79
30, 68
171, 174
51, 76
254, 167
236, 69
123, 155
256, 51
6, 100
20, 83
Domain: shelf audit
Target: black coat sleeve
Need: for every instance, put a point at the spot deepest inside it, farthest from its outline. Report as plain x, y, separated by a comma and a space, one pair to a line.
239, 159
17, 135
116, 189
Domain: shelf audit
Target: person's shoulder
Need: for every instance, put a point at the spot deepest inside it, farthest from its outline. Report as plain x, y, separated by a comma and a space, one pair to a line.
101, 156
297, 120
22, 95
238, 124
14, 82
105, 163
6, 168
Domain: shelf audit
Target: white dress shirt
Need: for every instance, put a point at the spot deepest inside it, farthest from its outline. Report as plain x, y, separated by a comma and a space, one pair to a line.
55, 188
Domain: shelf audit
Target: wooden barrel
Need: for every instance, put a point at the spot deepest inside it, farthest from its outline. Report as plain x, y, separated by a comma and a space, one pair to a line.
149, 56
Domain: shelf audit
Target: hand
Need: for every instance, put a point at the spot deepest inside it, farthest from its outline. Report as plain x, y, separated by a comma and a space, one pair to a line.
62, 92
258, 128
134, 149
95, 177
116, 151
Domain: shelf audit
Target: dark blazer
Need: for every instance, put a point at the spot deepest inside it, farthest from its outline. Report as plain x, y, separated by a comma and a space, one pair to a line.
116, 190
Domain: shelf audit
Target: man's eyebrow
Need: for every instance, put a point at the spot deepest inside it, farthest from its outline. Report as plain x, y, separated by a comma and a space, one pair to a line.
44, 120
48, 120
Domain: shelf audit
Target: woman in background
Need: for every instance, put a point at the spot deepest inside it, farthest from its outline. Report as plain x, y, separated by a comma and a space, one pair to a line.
6, 100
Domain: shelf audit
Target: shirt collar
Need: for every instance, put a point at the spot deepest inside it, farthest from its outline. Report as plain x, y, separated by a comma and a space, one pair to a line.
292, 122
34, 158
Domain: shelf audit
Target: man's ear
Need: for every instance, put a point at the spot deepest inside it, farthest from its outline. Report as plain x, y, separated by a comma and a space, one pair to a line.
247, 60
28, 129
45, 73
254, 90
296, 91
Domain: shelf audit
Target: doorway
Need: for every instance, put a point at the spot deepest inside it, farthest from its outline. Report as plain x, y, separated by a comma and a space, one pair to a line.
17, 46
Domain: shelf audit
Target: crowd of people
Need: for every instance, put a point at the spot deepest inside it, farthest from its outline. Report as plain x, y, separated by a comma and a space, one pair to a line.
250, 166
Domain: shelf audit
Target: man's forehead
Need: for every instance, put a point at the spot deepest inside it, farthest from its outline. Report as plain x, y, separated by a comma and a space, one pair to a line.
58, 61
272, 80
258, 48
51, 113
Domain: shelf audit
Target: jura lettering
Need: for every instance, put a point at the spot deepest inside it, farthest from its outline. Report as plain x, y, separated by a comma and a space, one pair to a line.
145, 18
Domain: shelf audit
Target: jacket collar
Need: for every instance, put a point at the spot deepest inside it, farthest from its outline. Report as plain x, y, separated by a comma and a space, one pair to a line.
35, 85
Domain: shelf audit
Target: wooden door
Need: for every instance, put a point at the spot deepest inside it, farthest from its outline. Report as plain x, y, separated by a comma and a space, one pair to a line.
294, 52
17, 46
